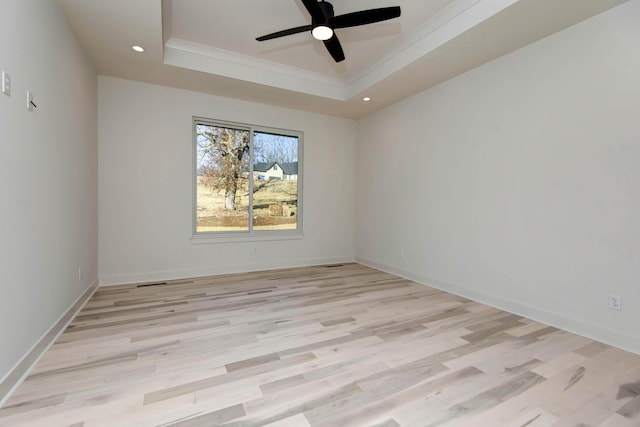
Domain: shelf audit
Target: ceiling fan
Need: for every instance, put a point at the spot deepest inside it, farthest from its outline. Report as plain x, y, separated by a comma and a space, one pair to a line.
323, 24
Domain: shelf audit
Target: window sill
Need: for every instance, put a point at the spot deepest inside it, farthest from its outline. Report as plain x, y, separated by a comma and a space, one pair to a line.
228, 238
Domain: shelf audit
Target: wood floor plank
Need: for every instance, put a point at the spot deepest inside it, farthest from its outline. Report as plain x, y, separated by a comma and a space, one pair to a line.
336, 346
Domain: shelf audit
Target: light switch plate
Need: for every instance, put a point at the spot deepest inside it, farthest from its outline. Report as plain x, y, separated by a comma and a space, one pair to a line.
6, 83
29, 101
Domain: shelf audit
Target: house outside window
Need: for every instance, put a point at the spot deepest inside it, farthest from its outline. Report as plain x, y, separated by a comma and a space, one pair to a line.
246, 179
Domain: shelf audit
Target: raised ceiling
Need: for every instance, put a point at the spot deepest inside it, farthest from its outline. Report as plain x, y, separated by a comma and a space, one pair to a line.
209, 46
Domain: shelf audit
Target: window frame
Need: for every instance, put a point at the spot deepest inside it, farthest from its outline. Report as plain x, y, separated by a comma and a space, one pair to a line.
250, 234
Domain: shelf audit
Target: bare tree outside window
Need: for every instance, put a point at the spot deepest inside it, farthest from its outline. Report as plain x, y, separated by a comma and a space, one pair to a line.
223, 156
246, 179
275, 148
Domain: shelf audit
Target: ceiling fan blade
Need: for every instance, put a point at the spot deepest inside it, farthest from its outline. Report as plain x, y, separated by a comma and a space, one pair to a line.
364, 17
314, 10
283, 33
335, 48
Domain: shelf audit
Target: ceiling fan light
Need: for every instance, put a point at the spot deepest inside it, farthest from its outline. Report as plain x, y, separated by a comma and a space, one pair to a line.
322, 32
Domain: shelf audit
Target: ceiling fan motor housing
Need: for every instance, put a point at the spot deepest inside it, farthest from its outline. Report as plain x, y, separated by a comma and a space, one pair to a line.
327, 11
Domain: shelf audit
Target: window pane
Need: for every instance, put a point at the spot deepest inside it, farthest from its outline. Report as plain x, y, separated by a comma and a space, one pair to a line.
275, 182
222, 165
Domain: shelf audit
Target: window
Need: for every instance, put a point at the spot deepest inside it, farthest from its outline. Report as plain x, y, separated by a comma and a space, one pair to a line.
246, 179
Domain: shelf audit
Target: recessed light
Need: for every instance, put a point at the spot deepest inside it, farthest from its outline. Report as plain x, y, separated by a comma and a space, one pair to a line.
137, 48
366, 99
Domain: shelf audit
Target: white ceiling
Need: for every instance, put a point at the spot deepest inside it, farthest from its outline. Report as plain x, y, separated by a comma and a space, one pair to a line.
209, 46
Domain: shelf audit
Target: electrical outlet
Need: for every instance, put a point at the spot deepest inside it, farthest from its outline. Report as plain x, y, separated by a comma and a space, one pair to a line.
401, 253
6, 83
80, 273
614, 302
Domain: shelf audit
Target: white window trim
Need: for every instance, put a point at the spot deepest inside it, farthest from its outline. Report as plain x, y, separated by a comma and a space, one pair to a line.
268, 236
252, 235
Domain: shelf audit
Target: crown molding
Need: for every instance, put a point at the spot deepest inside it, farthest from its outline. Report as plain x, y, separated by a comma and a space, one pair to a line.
445, 26
194, 56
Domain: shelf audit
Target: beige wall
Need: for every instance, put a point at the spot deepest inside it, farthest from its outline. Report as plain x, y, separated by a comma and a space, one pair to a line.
48, 175
146, 185
517, 183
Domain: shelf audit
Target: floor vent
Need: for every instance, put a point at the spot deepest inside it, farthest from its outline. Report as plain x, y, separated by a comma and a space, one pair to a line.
151, 284
334, 265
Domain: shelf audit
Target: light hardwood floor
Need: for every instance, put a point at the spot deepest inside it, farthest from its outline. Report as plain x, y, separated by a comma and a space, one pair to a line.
321, 346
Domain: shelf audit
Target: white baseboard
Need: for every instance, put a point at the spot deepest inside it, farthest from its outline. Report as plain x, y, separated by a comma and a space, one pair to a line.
121, 279
20, 370
575, 326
